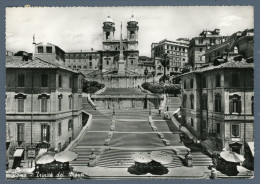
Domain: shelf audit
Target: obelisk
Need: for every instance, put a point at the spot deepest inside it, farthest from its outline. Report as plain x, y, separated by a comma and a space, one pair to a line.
121, 62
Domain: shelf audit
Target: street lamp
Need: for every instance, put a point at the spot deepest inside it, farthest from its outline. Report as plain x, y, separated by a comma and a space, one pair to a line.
153, 74
145, 73
113, 108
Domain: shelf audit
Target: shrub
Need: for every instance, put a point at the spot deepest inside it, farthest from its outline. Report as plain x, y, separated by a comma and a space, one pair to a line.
92, 86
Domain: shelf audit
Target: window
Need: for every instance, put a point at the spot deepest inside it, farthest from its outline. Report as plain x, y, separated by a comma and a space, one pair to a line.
40, 49
107, 35
20, 105
192, 101
218, 128
200, 58
252, 105
44, 80
204, 82
132, 62
184, 101
218, 103
191, 122
20, 132
200, 49
234, 80
184, 84
59, 128
70, 82
132, 35
49, 49
183, 59
70, 125
44, 104
235, 104
235, 130
218, 80
204, 102
60, 81
70, 102
201, 41
191, 83
21, 78
45, 132
90, 64
60, 104
90, 57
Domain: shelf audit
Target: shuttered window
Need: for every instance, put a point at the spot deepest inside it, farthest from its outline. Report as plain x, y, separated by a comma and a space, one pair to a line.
21, 78
45, 132
235, 130
20, 105
44, 103
20, 132
235, 104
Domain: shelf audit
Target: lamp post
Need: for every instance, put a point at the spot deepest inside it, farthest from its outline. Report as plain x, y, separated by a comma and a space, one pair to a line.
153, 74
113, 108
145, 73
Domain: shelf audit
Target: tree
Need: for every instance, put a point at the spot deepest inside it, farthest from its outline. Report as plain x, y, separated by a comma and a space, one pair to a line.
165, 61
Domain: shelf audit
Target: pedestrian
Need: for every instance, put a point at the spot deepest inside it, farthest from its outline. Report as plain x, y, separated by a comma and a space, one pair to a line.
160, 111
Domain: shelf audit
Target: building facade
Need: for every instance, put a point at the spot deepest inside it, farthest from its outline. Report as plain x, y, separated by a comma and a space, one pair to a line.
177, 52
218, 102
43, 104
198, 45
239, 42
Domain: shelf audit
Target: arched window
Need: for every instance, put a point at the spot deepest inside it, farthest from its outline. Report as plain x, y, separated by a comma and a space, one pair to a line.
218, 103
191, 83
132, 35
107, 35
184, 101
192, 101
204, 102
234, 104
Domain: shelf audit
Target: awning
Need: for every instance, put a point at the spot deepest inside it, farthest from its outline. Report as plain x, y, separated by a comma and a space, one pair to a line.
42, 151
18, 152
251, 146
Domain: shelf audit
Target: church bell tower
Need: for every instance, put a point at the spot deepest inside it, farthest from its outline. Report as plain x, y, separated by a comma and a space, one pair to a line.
108, 29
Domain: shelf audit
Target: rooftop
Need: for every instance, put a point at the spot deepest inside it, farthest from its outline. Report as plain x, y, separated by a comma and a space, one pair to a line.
37, 63
231, 64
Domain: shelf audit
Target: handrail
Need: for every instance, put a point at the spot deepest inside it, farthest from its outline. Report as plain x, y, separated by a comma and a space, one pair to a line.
100, 91
90, 101
77, 139
162, 105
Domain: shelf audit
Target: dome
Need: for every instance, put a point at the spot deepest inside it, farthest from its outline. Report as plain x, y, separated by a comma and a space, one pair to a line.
109, 19
132, 19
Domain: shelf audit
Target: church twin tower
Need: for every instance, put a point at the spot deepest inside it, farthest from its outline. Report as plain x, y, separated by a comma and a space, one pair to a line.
120, 51
109, 29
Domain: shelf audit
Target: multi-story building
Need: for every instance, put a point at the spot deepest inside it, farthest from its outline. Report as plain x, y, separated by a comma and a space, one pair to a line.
49, 52
146, 63
84, 61
198, 45
43, 104
177, 52
239, 42
218, 102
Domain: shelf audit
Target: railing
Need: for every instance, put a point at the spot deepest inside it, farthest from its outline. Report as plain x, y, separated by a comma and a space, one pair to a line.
90, 101
101, 90
78, 138
162, 105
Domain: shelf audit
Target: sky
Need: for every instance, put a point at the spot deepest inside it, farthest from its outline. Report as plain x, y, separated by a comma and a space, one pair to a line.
80, 28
